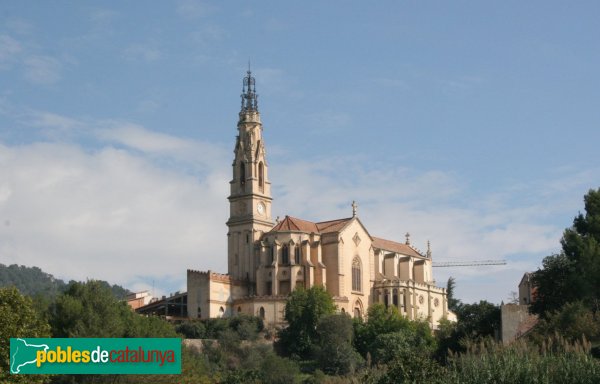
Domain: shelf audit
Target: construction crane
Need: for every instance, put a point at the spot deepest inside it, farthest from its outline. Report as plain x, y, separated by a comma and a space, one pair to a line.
473, 263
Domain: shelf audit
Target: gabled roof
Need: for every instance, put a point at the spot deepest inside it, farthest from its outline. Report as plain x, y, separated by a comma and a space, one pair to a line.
525, 279
293, 224
393, 246
332, 225
296, 225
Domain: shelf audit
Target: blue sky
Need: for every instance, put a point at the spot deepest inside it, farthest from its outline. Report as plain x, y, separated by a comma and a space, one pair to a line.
470, 124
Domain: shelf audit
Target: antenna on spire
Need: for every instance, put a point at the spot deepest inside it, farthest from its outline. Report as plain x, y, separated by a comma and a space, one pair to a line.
249, 96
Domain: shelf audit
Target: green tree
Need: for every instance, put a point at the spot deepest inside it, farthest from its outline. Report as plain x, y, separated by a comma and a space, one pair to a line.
478, 320
91, 310
553, 284
453, 303
380, 320
475, 322
574, 275
334, 351
193, 329
303, 309
18, 319
574, 321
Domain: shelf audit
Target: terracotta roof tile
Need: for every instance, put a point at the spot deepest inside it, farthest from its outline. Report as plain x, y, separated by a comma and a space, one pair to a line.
294, 224
393, 246
332, 225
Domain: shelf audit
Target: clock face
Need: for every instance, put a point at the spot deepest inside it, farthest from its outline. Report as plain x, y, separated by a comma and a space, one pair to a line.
260, 209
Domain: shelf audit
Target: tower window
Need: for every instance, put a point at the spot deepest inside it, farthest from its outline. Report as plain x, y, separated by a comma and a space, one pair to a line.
272, 254
242, 173
261, 177
297, 258
285, 255
356, 275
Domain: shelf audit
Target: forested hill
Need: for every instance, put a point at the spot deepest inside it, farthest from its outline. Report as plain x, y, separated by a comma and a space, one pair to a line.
32, 281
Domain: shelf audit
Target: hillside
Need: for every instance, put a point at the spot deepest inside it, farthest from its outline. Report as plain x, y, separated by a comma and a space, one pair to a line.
32, 281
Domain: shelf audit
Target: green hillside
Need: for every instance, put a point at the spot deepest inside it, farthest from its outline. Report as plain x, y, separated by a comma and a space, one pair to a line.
32, 281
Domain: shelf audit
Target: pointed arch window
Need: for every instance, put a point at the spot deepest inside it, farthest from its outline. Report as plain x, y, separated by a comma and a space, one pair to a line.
356, 275
242, 173
261, 177
297, 257
285, 255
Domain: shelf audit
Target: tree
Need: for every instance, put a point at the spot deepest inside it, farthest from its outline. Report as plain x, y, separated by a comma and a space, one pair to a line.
18, 319
334, 351
553, 284
574, 322
380, 320
303, 309
513, 297
388, 336
91, 310
453, 303
478, 320
574, 274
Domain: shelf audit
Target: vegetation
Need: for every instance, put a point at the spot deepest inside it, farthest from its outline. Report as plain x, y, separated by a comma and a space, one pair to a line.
18, 318
574, 274
303, 310
321, 345
34, 282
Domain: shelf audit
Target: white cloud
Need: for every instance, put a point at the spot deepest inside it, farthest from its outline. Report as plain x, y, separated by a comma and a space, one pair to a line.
54, 121
188, 153
42, 69
9, 49
108, 214
137, 137
145, 206
436, 206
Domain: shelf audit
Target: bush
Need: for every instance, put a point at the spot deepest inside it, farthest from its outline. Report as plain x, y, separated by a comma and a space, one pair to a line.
556, 361
193, 329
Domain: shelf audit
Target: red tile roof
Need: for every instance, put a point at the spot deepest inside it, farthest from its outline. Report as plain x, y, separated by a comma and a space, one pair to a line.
332, 225
293, 224
392, 246
298, 225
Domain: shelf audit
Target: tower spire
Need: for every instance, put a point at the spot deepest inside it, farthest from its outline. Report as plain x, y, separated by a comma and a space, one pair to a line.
249, 96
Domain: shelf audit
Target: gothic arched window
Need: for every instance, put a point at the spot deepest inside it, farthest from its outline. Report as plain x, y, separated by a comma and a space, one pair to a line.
297, 257
242, 173
261, 176
285, 255
356, 275
261, 313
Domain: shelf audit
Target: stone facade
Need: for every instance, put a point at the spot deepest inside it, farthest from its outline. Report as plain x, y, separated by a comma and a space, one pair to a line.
268, 260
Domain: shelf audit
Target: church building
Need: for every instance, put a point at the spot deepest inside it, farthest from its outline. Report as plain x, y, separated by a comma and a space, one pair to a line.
267, 260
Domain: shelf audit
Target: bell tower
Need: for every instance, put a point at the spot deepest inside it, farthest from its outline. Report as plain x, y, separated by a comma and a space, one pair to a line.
250, 197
